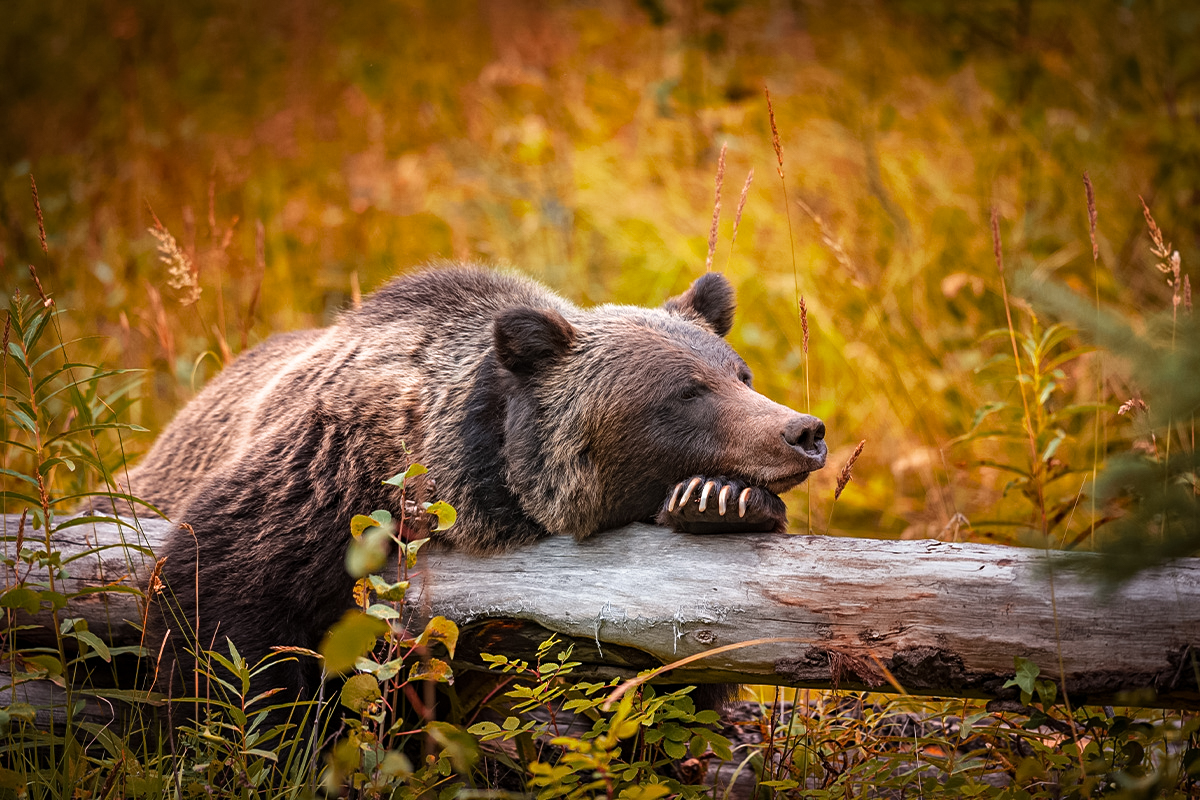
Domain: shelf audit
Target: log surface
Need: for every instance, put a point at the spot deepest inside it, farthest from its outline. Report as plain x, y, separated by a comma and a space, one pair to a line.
932, 617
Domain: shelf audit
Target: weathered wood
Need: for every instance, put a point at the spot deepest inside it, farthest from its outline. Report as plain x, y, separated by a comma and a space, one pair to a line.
933, 617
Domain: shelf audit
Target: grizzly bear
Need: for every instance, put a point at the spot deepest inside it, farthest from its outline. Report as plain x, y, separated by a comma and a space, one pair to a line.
534, 417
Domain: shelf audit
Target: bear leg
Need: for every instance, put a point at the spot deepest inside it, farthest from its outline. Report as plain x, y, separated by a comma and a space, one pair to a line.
702, 504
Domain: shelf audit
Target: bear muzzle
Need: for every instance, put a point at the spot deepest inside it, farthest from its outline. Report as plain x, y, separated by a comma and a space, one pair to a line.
806, 435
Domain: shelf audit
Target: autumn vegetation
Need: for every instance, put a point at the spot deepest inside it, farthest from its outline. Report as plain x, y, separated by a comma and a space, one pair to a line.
966, 245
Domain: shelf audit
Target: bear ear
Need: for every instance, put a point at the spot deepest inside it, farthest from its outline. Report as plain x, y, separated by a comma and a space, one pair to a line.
711, 298
527, 338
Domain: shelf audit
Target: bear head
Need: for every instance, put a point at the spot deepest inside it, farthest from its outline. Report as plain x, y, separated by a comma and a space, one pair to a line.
607, 411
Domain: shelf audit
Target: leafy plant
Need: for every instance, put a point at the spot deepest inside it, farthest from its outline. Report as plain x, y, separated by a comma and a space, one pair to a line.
1033, 432
629, 752
1152, 487
62, 429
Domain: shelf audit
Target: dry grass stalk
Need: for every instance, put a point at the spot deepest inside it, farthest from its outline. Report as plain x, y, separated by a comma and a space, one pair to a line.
1091, 208
222, 344
182, 274
737, 218
189, 232
161, 327
212, 208
37, 206
355, 291
787, 209
260, 268
846, 474
955, 526
1012, 337
832, 242
712, 231
1187, 294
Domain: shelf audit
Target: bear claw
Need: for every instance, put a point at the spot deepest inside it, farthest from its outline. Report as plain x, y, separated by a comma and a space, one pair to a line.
692, 511
687, 493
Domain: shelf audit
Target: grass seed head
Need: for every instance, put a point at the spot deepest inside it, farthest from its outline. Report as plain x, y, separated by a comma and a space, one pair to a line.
181, 272
1091, 207
1159, 247
37, 207
996, 251
737, 218
845, 475
1133, 404
804, 324
46, 301
1187, 294
774, 133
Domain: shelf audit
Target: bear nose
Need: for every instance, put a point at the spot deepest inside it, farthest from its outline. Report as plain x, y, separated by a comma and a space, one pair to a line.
807, 434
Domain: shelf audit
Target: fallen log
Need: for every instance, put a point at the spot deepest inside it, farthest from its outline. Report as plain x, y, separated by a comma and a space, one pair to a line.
927, 617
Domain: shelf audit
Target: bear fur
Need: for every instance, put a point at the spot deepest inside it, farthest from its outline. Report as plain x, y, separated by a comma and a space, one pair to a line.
534, 417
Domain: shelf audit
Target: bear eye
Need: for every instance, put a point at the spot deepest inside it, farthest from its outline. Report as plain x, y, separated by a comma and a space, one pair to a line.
692, 391
745, 377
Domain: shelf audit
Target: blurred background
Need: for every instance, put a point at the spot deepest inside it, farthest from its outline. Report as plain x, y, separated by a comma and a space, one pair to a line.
297, 154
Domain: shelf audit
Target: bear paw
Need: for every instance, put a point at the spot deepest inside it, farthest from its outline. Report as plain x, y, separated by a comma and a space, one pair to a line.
722, 505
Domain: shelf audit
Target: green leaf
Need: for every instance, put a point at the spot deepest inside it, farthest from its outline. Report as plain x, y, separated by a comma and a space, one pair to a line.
35, 328
1059, 437
368, 554
444, 512
352, 637
359, 691
413, 471
93, 641
103, 426
49, 464
388, 591
389, 669
18, 475
459, 745
23, 419
21, 597
50, 664
484, 729
383, 611
1025, 678
410, 551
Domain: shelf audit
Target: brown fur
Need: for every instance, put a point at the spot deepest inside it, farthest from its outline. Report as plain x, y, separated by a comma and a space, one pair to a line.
535, 418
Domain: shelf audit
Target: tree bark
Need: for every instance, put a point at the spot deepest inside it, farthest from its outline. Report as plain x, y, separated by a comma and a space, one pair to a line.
928, 617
